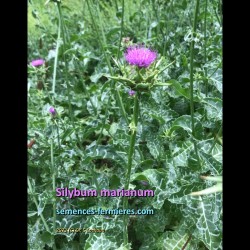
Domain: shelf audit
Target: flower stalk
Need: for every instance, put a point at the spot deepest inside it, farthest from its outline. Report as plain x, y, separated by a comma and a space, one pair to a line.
192, 81
133, 128
53, 171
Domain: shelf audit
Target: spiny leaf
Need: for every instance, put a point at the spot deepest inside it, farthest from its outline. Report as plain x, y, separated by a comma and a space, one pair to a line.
185, 122
213, 107
106, 152
181, 91
173, 240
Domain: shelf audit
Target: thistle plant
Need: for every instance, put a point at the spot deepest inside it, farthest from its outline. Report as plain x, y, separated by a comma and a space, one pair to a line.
37, 68
140, 75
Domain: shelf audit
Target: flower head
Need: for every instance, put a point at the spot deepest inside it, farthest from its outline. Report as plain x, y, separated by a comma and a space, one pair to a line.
52, 111
131, 92
140, 56
37, 62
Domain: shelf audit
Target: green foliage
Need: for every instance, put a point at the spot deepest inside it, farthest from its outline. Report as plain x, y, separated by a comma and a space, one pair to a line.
86, 144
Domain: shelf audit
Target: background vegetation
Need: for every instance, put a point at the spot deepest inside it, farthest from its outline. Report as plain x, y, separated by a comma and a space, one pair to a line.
85, 146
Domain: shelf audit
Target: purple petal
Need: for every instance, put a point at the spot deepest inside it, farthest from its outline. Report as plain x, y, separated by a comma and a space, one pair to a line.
37, 62
52, 111
131, 92
140, 56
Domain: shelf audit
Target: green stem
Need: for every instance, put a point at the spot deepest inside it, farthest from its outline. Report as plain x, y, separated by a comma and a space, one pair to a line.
36, 203
56, 59
116, 5
165, 68
122, 26
59, 146
102, 41
156, 13
186, 243
216, 14
66, 74
53, 171
102, 32
85, 89
219, 65
130, 159
121, 105
98, 141
192, 79
205, 49
103, 44
47, 92
58, 137
220, 11
214, 142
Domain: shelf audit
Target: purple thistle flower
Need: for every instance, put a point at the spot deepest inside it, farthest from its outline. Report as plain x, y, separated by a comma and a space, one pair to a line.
37, 62
131, 92
52, 111
140, 56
